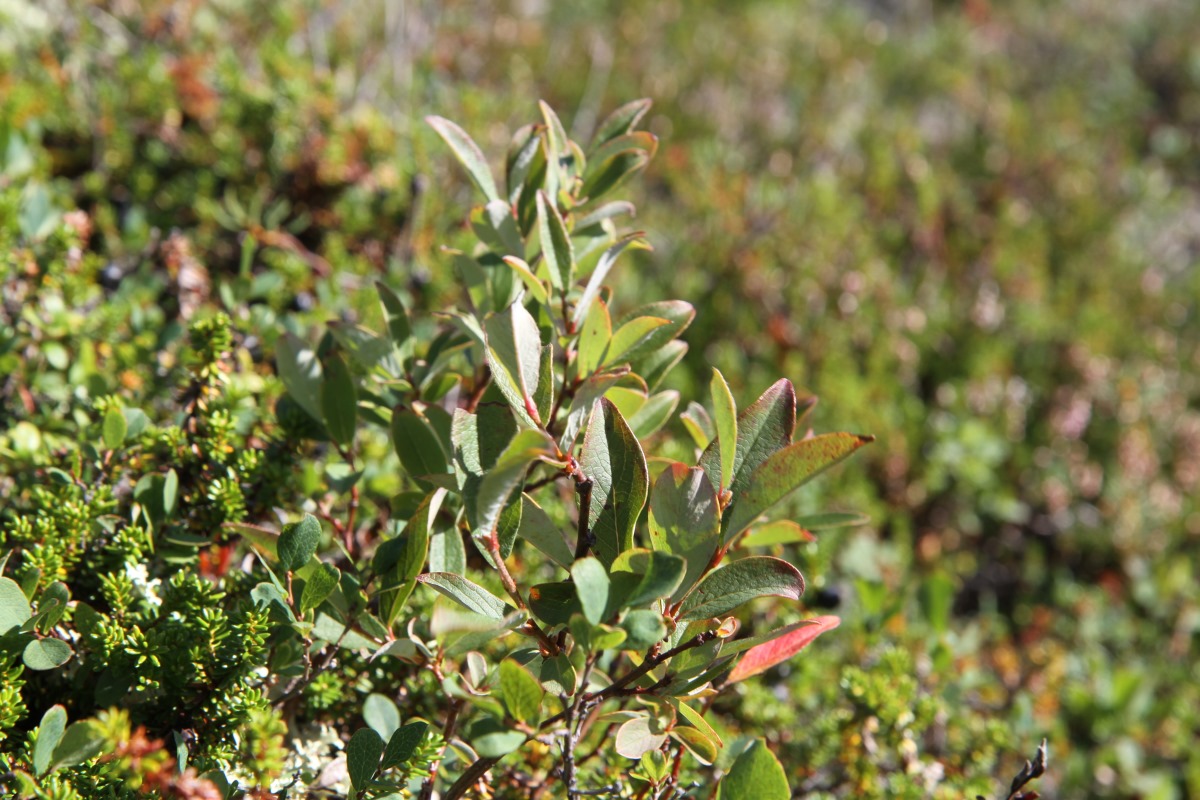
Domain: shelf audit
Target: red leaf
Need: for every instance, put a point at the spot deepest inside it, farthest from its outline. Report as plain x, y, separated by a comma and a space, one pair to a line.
764, 656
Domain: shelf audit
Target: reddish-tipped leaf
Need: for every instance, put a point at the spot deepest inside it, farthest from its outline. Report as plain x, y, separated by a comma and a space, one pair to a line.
764, 656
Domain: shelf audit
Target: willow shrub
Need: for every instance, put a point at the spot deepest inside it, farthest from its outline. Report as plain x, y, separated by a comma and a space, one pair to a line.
589, 589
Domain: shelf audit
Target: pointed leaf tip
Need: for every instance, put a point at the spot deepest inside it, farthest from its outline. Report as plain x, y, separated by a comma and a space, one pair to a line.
784, 471
467, 153
764, 656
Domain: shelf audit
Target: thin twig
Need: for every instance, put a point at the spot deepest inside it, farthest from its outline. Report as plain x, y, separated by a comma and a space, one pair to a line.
510, 586
480, 767
447, 735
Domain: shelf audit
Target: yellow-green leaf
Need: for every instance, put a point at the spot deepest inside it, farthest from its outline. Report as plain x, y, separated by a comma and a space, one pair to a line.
520, 691
755, 775
114, 428
725, 417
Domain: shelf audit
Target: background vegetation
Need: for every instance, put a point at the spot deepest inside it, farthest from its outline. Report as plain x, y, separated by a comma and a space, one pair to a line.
972, 229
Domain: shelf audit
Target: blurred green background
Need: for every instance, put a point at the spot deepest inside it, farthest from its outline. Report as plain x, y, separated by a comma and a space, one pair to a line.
971, 228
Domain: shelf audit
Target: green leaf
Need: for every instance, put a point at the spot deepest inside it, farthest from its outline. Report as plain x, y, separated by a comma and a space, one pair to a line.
381, 715
269, 596
639, 736
699, 745
539, 530
37, 216
82, 742
612, 458
298, 542
543, 395
362, 757
339, 400
491, 739
621, 121
417, 444
318, 586
523, 150
554, 603
49, 734
628, 399
468, 154
697, 721
531, 281
584, 401
630, 336
514, 354
592, 290
417, 533
478, 441
403, 743
300, 370
470, 596
654, 414
831, 520
655, 765
783, 472
684, 520
136, 421
612, 163
593, 340
653, 367
606, 211
643, 629
659, 575
556, 135
114, 428
394, 314
592, 585
520, 691
604, 637
363, 346
782, 531
678, 314
699, 424
495, 226
334, 631
725, 417
557, 251
52, 605
761, 658
44, 654
763, 428
725, 589
508, 526
532, 171
557, 675
506, 476
755, 775
14, 606
937, 600
447, 553
632, 143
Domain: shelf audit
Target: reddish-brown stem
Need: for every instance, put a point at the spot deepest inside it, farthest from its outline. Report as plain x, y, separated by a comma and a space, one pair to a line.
447, 734
481, 385
510, 586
